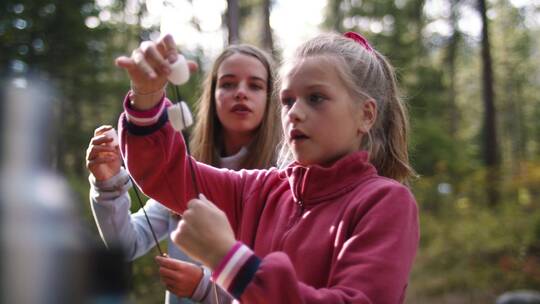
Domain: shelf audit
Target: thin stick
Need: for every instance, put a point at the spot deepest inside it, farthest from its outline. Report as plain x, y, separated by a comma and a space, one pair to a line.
194, 180
190, 160
146, 216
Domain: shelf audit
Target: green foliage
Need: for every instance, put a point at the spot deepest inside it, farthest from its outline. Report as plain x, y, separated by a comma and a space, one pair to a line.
467, 247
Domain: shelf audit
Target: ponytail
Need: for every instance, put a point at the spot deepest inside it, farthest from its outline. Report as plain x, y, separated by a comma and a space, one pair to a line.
389, 136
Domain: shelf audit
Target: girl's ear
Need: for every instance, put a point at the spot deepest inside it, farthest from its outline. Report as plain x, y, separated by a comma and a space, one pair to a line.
367, 116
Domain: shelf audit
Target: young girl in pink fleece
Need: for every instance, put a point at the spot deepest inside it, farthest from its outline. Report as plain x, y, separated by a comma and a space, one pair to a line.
336, 225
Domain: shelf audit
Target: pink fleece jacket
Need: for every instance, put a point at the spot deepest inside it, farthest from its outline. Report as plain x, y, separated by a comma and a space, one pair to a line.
340, 234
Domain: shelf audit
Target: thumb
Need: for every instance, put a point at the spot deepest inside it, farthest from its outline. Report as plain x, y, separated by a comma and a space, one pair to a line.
124, 62
175, 234
207, 201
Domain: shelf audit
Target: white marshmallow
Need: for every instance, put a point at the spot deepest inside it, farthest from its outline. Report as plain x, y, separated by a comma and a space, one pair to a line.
179, 71
112, 134
179, 121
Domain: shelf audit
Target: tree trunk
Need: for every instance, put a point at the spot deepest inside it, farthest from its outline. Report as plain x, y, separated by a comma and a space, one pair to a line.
451, 63
335, 15
268, 40
233, 21
490, 145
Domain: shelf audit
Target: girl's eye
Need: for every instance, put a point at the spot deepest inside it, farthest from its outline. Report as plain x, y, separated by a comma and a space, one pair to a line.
256, 87
226, 85
315, 98
287, 101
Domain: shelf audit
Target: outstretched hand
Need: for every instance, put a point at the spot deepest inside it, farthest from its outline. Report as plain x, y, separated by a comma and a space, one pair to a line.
148, 68
102, 159
204, 232
181, 278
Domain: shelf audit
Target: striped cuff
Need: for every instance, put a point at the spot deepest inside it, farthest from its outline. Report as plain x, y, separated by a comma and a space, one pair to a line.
143, 118
237, 269
202, 288
141, 123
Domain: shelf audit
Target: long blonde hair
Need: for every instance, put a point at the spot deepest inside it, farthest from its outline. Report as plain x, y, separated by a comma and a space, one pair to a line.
208, 130
367, 74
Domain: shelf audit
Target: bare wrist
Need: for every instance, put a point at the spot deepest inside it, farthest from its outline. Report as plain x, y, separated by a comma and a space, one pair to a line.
145, 100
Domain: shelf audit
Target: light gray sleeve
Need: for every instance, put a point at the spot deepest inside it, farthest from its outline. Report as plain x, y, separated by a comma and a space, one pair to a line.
207, 292
110, 204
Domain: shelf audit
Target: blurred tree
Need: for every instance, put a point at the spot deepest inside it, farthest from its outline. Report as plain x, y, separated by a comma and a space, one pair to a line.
267, 35
490, 146
513, 57
450, 59
334, 15
233, 21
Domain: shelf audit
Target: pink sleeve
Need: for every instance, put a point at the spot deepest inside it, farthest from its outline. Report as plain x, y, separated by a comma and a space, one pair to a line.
372, 267
155, 156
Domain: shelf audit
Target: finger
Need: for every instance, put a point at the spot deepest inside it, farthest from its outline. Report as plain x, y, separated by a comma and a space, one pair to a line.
175, 234
96, 154
99, 161
167, 282
125, 63
169, 56
154, 58
100, 130
168, 41
100, 158
190, 214
194, 204
159, 259
101, 140
207, 202
203, 198
178, 236
170, 46
166, 262
96, 149
142, 64
169, 274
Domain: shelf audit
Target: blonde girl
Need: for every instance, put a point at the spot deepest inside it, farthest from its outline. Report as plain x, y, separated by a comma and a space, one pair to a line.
337, 225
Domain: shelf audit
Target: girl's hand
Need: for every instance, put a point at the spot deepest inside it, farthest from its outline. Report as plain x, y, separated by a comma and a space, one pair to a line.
148, 68
204, 232
102, 159
180, 278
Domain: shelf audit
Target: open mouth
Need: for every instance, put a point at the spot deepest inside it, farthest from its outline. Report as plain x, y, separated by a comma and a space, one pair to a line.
296, 135
240, 109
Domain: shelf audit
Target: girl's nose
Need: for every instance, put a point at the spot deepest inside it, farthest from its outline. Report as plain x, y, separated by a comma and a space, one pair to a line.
296, 113
240, 93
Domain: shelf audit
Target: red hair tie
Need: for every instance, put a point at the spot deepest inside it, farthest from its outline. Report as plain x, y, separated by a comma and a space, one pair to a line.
360, 39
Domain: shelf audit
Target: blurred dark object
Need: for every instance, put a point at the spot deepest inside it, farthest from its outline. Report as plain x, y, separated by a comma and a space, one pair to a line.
108, 275
519, 297
46, 254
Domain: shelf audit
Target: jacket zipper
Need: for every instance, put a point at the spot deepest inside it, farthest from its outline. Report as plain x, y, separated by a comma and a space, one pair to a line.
300, 209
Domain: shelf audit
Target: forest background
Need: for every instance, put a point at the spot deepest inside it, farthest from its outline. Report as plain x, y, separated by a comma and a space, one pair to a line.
474, 102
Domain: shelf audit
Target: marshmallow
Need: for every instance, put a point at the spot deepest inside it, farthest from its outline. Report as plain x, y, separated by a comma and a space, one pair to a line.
179, 71
180, 116
112, 134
